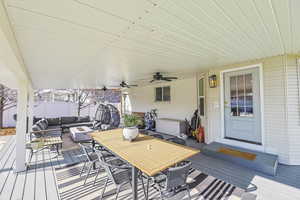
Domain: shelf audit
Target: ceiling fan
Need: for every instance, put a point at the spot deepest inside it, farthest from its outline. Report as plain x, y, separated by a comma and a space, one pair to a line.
104, 88
159, 77
123, 84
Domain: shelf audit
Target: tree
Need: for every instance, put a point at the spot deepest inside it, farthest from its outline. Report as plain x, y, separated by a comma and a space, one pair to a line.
8, 100
82, 96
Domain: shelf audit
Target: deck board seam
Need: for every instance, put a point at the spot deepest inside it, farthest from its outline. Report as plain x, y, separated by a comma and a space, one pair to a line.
10, 152
45, 182
9, 167
53, 174
7, 145
6, 178
14, 185
24, 184
34, 194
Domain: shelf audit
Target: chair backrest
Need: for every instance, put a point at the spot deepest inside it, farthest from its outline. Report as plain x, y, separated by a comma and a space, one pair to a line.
86, 149
177, 140
177, 176
106, 166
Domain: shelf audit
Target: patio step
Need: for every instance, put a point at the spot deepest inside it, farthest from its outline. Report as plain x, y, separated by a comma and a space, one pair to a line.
263, 162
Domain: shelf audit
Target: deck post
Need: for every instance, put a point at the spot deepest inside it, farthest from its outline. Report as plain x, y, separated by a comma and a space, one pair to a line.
20, 164
30, 108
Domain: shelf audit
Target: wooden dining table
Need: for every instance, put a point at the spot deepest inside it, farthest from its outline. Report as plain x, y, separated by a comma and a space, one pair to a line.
146, 153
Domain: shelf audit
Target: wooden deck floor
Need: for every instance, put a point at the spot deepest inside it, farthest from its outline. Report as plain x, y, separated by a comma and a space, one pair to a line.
39, 182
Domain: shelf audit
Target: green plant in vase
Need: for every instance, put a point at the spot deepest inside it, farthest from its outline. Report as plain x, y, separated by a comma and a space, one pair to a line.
130, 132
132, 120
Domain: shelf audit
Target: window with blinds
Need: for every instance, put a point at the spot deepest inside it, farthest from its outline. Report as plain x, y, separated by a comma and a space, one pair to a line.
163, 94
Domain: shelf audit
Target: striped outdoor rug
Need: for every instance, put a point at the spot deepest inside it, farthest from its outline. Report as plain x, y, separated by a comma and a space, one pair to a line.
202, 187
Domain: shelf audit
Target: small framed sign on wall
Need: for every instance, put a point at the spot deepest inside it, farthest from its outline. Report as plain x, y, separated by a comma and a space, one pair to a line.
163, 94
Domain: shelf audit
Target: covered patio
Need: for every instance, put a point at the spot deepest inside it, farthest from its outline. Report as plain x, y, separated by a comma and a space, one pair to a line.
40, 181
236, 62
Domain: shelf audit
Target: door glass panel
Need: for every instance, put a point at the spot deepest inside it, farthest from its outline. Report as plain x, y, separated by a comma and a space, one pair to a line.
241, 95
233, 96
201, 106
201, 87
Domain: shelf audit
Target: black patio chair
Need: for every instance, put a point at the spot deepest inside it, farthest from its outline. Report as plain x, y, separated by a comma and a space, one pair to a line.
177, 140
172, 181
158, 136
118, 175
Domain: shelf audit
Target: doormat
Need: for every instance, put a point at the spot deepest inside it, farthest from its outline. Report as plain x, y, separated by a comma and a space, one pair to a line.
236, 153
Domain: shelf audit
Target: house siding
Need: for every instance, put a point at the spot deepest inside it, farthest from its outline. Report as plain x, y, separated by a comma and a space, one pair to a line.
281, 105
183, 99
293, 114
281, 108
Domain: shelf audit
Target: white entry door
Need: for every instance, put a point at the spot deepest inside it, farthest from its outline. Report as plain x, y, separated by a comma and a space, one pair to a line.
242, 106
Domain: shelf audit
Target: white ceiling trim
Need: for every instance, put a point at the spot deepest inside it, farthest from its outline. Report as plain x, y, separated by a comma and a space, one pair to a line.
97, 42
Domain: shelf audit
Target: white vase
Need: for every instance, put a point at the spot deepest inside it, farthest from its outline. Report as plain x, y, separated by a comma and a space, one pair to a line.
130, 133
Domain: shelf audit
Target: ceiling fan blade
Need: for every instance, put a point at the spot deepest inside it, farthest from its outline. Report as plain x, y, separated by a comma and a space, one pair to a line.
133, 85
152, 81
167, 79
171, 77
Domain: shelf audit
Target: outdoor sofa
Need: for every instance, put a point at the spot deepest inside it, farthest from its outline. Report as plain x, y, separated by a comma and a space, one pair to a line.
66, 122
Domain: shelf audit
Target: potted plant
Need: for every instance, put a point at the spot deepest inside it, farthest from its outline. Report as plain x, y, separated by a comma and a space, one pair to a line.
130, 132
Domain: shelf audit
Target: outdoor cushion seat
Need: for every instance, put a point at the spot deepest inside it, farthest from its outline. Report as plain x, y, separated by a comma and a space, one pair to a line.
83, 119
53, 121
36, 128
77, 124
68, 120
42, 124
41, 129
36, 119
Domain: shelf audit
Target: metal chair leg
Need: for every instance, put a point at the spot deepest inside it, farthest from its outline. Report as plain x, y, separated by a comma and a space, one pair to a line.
90, 168
188, 191
147, 191
143, 185
98, 171
160, 192
101, 197
82, 169
118, 191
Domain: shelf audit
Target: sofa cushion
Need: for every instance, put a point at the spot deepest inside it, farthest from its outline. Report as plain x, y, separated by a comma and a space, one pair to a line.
83, 119
36, 119
42, 124
46, 121
68, 120
53, 121
36, 128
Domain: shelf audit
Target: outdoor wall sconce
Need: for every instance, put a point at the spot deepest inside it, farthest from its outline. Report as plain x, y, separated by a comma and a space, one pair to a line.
212, 81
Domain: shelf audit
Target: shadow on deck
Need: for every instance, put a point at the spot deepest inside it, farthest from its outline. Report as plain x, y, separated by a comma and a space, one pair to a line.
40, 180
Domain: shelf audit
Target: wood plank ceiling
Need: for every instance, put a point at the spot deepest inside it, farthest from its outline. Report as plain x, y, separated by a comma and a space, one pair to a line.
90, 43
